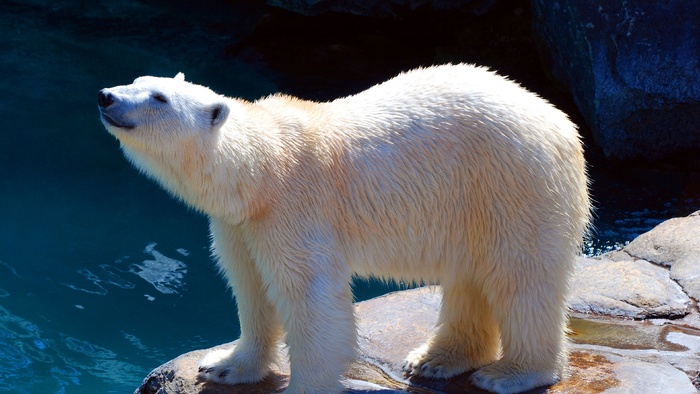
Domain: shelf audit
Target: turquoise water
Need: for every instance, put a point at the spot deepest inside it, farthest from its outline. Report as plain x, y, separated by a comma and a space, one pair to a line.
103, 276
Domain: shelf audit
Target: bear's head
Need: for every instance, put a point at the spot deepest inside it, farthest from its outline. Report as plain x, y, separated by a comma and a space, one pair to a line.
169, 129
153, 107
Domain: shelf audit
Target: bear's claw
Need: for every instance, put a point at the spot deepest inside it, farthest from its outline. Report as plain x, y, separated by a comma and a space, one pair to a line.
430, 363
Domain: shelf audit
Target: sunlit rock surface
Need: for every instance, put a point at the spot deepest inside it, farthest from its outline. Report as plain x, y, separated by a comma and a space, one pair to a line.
656, 276
659, 352
674, 244
621, 356
627, 288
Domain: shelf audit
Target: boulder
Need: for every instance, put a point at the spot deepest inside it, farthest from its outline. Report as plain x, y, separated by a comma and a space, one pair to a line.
675, 244
641, 281
627, 288
632, 68
391, 325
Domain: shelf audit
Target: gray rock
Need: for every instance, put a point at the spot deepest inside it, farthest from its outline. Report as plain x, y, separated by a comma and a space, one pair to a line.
595, 369
633, 376
606, 354
674, 243
629, 289
391, 325
632, 69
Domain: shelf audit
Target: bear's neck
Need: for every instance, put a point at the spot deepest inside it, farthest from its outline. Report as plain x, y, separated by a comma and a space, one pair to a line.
262, 148
237, 175
219, 176
234, 175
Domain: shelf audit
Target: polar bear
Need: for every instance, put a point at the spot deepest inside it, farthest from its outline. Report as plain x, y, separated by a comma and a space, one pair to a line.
448, 174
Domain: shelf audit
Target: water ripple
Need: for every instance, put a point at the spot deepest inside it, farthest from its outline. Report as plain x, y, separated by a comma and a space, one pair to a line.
100, 362
85, 347
12, 358
164, 273
35, 350
9, 268
3, 292
145, 351
14, 366
22, 350
109, 276
27, 359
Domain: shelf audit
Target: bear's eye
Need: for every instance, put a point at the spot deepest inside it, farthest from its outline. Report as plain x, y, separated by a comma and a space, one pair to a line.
160, 98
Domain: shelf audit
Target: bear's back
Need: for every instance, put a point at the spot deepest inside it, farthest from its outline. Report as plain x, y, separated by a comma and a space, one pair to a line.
440, 147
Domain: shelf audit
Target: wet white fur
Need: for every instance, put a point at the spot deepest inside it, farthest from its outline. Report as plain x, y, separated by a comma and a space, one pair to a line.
447, 174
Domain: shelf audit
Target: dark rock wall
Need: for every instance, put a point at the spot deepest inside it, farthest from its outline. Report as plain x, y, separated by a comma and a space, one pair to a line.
633, 69
378, 8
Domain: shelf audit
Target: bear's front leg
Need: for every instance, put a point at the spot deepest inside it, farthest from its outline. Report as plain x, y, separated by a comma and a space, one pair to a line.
310, 287
250, 360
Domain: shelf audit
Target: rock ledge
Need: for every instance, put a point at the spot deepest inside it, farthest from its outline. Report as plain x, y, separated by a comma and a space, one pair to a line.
635, 328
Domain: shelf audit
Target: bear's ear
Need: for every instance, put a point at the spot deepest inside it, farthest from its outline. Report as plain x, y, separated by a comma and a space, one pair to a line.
179, 77
218, 113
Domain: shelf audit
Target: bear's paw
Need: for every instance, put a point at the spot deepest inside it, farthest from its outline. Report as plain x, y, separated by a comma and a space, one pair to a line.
232, 366
503, 378
436, 363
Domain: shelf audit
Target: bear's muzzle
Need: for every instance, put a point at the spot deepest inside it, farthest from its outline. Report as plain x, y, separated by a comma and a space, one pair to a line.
106, 103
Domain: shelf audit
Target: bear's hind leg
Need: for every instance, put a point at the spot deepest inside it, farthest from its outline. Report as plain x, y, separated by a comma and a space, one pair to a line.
532, 321
466, 336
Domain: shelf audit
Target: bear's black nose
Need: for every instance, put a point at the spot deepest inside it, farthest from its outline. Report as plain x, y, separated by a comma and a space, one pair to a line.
104, 98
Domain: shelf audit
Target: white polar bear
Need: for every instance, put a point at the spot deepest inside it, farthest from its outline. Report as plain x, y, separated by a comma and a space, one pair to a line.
447, 174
